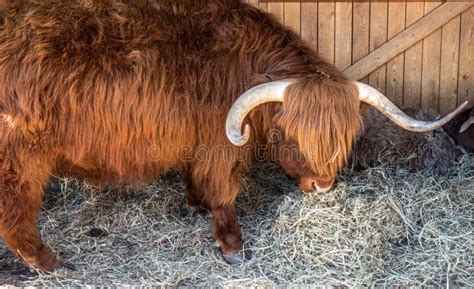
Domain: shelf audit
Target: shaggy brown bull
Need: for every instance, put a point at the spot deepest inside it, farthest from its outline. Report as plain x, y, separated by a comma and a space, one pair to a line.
119, 91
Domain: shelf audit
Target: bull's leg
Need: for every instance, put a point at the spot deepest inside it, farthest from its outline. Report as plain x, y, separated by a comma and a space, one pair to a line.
219, 195
23, 175
226, 229
195, 198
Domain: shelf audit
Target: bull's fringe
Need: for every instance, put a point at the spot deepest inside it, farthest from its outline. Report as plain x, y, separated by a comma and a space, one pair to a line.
322, 116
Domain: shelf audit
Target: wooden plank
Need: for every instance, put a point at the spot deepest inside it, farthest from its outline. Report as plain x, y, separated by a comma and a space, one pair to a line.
413, 60
292, 15
431, 65
276, 8
253, 2
326, 21
378, 36
466, 57
360, 33
309, 23
343, 31
407, 38
449, 65
394, 86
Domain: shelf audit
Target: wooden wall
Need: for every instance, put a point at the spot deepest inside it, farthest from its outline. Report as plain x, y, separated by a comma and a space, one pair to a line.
430, 66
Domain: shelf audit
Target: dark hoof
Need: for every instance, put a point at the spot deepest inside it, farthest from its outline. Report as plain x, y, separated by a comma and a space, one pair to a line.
238, 258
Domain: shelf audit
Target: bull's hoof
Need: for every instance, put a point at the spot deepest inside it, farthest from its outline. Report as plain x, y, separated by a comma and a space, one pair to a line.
52, 268
238, 258
44, 267
45, 262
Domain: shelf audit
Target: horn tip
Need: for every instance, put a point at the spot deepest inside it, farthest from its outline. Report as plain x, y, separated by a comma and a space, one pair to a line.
461, 107
238, 139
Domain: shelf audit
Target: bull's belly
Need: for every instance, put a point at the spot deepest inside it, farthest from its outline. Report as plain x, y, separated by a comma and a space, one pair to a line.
97, 153
120, 169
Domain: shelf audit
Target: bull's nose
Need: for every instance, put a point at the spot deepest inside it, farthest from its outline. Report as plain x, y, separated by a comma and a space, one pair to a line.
311, 185
319, 189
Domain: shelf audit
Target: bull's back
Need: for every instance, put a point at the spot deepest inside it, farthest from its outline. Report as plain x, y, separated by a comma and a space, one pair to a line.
106, 57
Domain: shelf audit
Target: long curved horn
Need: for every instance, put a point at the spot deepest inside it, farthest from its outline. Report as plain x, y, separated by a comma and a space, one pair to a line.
266, 92
275, 91
466, 124
373, 97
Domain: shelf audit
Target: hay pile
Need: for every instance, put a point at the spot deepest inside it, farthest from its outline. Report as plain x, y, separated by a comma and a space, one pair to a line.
385, 223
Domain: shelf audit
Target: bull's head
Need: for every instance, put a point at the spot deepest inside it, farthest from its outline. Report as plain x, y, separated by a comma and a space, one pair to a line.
320, 118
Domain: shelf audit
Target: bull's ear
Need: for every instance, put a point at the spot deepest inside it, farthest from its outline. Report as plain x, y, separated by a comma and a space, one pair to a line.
466, 124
